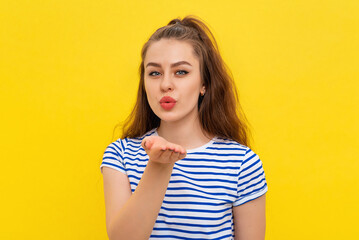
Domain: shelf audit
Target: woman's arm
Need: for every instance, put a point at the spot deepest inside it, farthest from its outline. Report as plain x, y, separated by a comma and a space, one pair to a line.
250, 220
136, 218
132, 216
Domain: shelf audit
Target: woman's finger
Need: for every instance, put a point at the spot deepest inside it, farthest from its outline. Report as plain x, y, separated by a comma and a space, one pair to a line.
174, 156
165, 156
147, 143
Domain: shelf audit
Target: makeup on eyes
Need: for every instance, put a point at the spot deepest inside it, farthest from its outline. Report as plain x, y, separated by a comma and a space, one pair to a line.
184, 72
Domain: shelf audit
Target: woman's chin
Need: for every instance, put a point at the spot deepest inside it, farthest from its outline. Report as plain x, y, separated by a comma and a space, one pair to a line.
169, 117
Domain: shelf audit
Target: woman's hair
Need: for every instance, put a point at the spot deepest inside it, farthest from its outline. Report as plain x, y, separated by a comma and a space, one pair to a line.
219, 109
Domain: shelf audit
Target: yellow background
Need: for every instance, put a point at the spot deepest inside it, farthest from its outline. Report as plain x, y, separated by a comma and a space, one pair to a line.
68, 75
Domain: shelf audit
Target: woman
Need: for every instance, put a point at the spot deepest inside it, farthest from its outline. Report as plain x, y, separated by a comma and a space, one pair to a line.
183, 168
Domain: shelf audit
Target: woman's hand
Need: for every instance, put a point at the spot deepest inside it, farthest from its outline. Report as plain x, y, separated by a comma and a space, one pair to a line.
161, 151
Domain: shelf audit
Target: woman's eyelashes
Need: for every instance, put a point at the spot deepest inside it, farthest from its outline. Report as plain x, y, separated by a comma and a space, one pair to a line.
153, 73
181, 72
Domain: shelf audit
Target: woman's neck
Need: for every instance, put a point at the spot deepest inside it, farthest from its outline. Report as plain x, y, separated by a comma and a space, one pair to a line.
189, 135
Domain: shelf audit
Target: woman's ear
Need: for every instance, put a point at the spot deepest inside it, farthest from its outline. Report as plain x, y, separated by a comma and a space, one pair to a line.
203, 90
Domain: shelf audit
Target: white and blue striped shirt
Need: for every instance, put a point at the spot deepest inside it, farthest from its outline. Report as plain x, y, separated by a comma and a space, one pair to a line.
203, 188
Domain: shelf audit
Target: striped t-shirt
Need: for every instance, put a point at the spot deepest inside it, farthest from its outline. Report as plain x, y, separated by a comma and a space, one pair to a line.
203, 188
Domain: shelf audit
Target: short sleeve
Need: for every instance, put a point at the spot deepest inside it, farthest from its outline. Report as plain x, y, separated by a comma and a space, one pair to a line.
113, 156
251, 179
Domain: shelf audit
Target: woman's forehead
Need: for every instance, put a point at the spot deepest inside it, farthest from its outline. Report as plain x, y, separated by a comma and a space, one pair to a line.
170, 51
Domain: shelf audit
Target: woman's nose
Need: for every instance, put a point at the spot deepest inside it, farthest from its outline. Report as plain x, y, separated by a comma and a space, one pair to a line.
166, 83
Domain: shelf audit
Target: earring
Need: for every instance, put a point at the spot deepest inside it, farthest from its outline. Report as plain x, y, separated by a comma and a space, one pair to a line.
203, 91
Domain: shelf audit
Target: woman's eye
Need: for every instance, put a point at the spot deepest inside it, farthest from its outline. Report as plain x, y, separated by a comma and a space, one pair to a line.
182, 72
153, 73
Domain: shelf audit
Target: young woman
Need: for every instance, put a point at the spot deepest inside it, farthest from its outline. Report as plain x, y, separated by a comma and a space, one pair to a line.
183, 168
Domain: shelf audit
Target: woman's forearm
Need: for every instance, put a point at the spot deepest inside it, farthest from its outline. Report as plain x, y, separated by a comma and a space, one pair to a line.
137, 217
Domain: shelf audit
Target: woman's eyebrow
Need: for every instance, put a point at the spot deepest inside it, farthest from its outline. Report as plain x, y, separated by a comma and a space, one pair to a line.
172, 65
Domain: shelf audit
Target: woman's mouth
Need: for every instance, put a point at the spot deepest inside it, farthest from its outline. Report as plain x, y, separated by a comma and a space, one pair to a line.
167, 103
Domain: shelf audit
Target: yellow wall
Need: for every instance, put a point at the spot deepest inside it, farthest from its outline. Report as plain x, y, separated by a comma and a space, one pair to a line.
68, 74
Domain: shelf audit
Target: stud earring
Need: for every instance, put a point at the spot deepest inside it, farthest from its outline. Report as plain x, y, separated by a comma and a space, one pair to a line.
203, 92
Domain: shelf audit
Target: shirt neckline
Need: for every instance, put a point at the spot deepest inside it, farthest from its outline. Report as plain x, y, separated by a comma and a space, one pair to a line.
197, 149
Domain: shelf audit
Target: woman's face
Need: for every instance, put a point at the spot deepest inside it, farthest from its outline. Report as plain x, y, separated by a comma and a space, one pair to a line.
172, 80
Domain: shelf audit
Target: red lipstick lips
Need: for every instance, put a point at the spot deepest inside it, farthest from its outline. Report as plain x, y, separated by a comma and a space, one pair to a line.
167, 103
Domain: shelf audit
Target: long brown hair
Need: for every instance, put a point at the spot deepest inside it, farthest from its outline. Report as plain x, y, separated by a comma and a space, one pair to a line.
220, 112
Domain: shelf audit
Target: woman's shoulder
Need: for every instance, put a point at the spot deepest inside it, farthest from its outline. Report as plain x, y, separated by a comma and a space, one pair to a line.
228, 143
232, 145
132, 142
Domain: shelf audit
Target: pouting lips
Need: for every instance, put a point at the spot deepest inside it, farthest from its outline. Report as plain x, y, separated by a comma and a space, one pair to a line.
167, 103
167, 99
